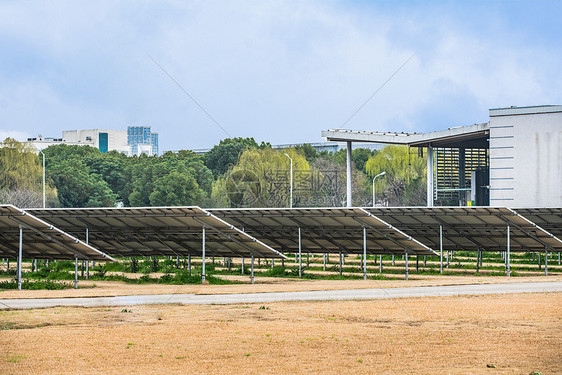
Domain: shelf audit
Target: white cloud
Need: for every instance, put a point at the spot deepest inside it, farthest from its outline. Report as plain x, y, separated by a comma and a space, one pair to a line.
278, 71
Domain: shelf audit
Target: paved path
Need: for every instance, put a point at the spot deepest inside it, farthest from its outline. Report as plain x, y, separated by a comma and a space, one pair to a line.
327, 295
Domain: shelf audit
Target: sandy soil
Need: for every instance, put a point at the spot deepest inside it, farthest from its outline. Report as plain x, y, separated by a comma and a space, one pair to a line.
495, 334
262, 285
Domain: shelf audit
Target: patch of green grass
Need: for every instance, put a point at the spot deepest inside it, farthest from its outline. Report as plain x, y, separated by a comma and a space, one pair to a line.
14, 358
35, 285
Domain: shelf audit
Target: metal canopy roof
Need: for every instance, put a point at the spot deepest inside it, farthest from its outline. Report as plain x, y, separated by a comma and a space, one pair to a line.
41, 240
470, 228
471, 136
169, 231
323, 230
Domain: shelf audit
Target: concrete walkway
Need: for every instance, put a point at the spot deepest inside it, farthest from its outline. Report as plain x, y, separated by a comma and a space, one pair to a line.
326, 295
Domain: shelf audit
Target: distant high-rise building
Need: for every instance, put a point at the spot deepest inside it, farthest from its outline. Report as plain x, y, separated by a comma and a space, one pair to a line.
142, 140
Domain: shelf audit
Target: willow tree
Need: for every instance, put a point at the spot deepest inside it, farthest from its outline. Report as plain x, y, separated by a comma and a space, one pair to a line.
262, 178
404, 183
21, 175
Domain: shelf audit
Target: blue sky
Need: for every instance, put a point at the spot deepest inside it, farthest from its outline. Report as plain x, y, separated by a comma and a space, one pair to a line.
278, 71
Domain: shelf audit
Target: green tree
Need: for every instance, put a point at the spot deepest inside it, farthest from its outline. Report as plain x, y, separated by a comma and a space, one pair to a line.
261, 178
404, 181
76, 187
176, 189
21, 176
224, 155
19, 166
308, 151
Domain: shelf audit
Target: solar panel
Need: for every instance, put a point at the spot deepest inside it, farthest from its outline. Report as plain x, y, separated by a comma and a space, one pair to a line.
323, 230
157, 231
40, 240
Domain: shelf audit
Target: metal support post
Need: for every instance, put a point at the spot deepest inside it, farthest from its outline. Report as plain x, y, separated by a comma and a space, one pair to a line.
559, 258
441, 248
340, 264
300, 254
307, 260
430, 176
417, 263
242, 267
380, 263
252, 270
477, 260
348, 170
20, 254
364, 253
539, 260
87, 270
425, 260
406, 258
203, 261
324, 264
75, 272
393, 260
508, 254
546, 262
189, 264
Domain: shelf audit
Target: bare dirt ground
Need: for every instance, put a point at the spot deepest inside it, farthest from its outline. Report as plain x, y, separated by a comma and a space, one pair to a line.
495, 334
262, 285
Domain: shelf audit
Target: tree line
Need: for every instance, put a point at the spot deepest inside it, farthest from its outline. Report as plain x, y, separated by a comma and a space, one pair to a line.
238, 172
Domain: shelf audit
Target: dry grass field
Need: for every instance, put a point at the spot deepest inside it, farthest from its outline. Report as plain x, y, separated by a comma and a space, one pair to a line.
494, 334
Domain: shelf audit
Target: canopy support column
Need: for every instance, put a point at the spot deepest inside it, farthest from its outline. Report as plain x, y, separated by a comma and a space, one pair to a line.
393, 260
324, 264
348, 170
20, 253
242, 267
189, 264
380, 263
430, 176
203, 261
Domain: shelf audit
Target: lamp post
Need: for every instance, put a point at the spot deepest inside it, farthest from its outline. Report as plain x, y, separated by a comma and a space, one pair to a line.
291, 188
38, 149
380, 174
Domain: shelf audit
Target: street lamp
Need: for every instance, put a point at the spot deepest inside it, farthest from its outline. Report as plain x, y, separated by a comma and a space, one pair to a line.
38, 149
291, 202
380, 174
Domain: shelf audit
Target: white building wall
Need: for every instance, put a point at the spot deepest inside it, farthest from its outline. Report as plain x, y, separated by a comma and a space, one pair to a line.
116, 139
526, 157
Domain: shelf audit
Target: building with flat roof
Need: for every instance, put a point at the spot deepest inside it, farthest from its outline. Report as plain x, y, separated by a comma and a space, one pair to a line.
102, 139
142, 140
514, 160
